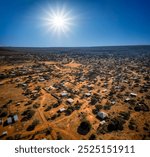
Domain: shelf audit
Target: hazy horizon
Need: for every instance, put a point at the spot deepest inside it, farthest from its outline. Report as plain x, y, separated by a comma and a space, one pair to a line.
71, 46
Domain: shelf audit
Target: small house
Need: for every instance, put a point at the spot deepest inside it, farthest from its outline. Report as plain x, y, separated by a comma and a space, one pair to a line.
102, 115
113, 102
41, 79
47, 89
9, 120
102, 122
133, 94
15, 118
70, 100
62, 109
64, 93
4, 133
24, 85
127, 99
87, 94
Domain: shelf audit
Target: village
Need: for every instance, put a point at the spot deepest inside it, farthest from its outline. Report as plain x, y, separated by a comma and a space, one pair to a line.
73, 95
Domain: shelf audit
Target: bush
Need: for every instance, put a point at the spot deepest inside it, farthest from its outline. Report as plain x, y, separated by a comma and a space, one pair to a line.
30, 127
69, 110
48, 108
28, 114
54, 117
95, 111
33, 125
132, 125
125, 115
107, 107
9, 138
92, 137
48, 132
115, 125
84, 128
56, 105
3, 114
141, 107
36, 105
93, 101
77, 107
98, 107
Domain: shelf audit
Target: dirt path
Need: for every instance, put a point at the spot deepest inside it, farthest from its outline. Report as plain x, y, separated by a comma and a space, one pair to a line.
52, 124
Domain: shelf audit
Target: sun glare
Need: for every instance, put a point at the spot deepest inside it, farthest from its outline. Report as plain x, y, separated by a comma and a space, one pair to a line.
58, 20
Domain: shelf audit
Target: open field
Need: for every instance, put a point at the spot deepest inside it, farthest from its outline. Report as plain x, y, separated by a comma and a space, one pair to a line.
75, 93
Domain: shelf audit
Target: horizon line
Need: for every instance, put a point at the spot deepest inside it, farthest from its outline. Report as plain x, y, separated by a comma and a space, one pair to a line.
1, 46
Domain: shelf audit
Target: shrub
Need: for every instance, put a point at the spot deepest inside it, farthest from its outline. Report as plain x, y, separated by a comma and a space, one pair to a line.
28, 114
92, 137
84, 128
3, 114
33, 125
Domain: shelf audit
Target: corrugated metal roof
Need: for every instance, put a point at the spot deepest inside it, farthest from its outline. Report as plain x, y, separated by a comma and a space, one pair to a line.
15, 118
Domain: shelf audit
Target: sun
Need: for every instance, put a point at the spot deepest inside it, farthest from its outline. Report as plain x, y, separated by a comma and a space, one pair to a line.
58, 20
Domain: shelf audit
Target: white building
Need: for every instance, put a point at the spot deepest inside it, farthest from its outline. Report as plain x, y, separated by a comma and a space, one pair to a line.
62, 109
102, 115
41, 79
15, 118
9, 120
70, 100
133, 94
87, 94
64, 93
4, 133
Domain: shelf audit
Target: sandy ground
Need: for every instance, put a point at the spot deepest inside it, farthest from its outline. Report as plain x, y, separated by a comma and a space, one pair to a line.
63, 127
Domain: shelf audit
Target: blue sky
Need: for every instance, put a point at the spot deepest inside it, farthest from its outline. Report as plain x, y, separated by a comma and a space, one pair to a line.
96, 23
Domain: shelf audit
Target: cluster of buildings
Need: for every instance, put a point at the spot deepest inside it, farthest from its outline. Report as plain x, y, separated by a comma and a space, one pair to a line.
101, 81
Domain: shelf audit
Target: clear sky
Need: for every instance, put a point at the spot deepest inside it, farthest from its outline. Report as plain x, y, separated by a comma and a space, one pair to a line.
95, 23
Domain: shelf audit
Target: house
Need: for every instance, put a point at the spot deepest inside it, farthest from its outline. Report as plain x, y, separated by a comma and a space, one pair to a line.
113, 102
24, 85
18, 103
9, 120
127, 99
102, 122
70, 100
41, 79
62, 109
89, 87
64, 93
4, 133
52, 87
15, 118
87, 94
117, 87
102, 115
105, 83
133, 94
47, 89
